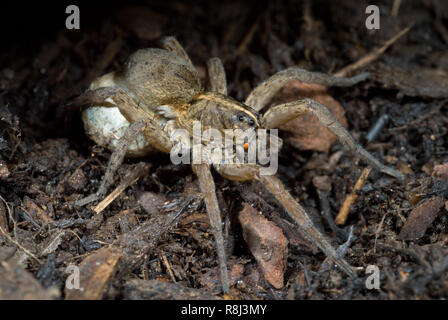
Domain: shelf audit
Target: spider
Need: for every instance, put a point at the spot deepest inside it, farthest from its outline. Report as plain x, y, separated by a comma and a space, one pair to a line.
133, 111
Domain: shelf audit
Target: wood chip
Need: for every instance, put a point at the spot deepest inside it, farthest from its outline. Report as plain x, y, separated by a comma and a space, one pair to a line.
95, 272
421, 218
266, 242
36, 212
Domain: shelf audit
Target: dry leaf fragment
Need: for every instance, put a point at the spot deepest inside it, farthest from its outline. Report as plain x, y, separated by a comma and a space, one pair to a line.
420, 218
266, 242
307, 133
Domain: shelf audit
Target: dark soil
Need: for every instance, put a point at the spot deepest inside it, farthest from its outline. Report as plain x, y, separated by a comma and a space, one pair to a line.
47, 162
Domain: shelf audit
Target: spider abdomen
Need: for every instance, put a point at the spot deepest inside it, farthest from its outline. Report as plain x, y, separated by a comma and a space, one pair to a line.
160, 77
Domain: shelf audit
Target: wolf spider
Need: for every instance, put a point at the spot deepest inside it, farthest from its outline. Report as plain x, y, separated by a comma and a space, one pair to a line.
134, 110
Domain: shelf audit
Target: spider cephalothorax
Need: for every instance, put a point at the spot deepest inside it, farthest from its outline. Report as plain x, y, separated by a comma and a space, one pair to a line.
159, 91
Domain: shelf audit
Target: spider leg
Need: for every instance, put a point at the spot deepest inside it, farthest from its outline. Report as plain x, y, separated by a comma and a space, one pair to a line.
115, 161
282, 113
207, 186
140, 121
171, 44
216, 76
241, 172
266, 90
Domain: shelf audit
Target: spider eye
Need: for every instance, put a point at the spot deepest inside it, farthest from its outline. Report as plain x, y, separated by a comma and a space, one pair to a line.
241, 118
251, 122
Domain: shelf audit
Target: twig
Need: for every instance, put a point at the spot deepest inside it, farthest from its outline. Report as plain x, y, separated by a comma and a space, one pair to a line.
351, 198
395, 8
242, 47
139, 171
378, 230
167, 265
373, 55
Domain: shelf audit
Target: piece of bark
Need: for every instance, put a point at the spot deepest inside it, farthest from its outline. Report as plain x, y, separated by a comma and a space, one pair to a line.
415, 82
306, 132
421, 218
267, 244
35, 211
95, 272
18, 284
137, 289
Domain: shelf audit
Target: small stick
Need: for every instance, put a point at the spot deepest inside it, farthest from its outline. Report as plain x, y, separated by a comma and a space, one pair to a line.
378, 230
373, 55
395, 8
139, 171
247, 39
351, 198
167, 265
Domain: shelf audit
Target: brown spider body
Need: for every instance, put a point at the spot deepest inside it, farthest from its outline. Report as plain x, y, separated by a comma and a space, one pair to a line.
168, 89
160, 91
